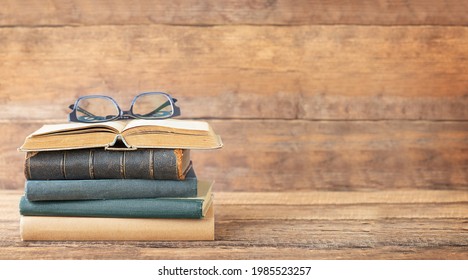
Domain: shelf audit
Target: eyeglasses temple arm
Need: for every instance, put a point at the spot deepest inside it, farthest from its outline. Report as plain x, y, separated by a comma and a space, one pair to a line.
81, 110
176, 109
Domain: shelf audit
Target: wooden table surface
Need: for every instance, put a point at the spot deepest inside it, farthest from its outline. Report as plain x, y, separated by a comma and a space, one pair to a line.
400, 224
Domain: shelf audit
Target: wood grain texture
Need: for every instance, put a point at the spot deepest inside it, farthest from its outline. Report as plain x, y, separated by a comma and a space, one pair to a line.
226, 12
244, 233
345, 123
303, 155
278, 155
276, 72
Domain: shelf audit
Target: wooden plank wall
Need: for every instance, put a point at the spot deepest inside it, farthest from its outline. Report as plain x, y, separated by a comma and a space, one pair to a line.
307, 95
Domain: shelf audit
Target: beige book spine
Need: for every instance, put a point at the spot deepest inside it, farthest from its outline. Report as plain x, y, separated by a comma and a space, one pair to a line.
83, 228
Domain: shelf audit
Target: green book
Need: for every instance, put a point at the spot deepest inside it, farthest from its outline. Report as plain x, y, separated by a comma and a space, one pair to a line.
44, 190
186, 207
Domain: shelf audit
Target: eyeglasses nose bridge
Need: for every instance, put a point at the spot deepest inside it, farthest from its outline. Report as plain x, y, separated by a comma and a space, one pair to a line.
126, 113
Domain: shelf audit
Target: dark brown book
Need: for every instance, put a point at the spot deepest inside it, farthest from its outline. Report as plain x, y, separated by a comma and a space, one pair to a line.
84, 164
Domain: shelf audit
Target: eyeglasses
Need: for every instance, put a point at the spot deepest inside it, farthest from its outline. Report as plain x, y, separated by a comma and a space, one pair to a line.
101, 108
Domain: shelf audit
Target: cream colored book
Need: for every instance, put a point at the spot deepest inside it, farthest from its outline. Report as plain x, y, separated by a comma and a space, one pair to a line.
134, 134
100, 229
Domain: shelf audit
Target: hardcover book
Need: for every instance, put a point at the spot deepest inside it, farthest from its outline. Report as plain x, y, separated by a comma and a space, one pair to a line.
186, 207
110, 188
82, 228
138, 133
83, 164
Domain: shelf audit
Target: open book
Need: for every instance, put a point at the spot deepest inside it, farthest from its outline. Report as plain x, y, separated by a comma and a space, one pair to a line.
167, 133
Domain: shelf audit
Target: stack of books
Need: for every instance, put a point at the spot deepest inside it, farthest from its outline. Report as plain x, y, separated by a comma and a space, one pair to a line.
117, 181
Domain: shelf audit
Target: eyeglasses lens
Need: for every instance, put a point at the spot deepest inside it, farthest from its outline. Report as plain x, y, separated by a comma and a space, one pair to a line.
152, 106
96, 109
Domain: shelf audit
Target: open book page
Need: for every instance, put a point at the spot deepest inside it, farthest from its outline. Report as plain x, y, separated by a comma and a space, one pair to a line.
71, 127
169, 125
164, 134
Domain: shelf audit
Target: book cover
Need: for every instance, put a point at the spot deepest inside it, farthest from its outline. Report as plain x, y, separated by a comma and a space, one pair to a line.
38, 190
134, 134
188, 207
84, 164
113, 229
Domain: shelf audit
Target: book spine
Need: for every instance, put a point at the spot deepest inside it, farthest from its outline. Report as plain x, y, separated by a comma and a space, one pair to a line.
108, 189
86, 164
118, 208
81, 228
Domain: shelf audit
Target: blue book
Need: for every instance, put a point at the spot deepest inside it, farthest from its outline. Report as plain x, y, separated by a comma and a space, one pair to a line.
163, 207
39, 190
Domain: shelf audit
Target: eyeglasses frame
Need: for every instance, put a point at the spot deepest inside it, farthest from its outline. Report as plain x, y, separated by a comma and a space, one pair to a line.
123, 114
